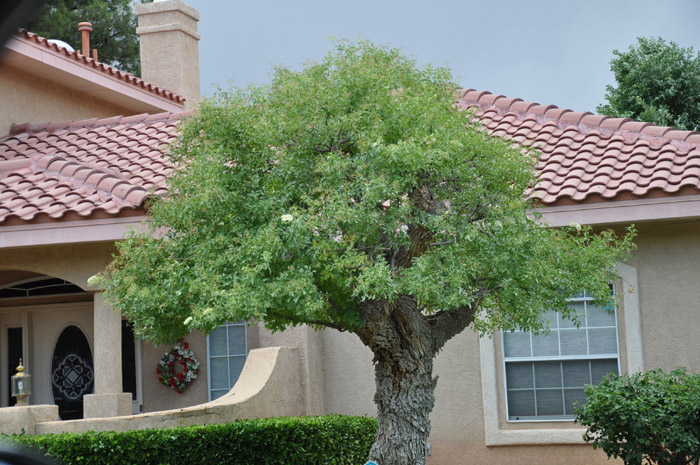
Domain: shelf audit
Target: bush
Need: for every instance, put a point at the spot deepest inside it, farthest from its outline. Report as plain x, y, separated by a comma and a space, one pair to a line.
652, 417
332, 439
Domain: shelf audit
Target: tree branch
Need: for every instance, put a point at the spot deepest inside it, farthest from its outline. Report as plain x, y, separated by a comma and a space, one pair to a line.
422, 199
446, 324
327, 324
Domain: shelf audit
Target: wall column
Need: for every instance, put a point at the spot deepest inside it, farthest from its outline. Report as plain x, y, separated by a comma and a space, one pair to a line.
108, 399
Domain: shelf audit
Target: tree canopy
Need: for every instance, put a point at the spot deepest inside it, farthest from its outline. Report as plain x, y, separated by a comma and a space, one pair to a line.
354, 195
114, 28
657, 82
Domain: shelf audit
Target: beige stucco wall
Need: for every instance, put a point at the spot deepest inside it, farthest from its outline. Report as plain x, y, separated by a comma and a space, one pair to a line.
336, 369
75, 262
158, 397
311, 354
30, 99
668, 264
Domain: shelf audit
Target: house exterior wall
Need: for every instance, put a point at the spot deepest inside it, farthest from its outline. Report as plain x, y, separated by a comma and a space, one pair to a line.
77, 263
29, 98
668, 263
336, 369
157, 397
666, 260
72, 262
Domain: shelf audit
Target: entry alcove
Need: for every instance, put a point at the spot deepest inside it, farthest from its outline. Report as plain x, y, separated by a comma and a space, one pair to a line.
36, 315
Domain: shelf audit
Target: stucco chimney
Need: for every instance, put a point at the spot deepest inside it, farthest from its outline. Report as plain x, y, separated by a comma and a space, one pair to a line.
170, 47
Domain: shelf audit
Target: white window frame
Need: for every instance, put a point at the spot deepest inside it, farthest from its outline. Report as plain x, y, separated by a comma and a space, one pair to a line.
496, 434
228, 355
557, 358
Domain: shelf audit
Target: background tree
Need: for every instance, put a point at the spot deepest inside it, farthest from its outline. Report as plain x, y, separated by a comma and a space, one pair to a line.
656, 82
114, 28
353, 195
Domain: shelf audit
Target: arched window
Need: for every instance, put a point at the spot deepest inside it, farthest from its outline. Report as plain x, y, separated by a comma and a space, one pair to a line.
38, 286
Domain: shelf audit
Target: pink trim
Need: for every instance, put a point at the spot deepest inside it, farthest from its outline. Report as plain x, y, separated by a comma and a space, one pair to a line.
622, 212
111, 229
89, 80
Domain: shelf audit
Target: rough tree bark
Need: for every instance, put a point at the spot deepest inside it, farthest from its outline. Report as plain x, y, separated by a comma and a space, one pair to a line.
404, 342
400, 339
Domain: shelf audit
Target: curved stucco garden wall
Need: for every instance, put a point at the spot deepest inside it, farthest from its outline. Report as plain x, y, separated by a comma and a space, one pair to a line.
268, 387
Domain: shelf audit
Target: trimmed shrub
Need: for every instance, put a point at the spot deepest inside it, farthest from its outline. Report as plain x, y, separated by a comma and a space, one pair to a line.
332, 439
651, 417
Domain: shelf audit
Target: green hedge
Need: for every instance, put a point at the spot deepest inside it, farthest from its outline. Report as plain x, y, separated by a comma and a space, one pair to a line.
650, 418
332, 439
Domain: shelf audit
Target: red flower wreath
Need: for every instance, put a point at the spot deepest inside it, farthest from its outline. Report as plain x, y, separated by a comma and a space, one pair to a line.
167, 373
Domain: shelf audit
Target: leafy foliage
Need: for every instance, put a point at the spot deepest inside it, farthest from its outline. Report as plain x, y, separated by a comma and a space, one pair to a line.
355, 180
354, 195
651, 417
332, 439
114, 28
656, 82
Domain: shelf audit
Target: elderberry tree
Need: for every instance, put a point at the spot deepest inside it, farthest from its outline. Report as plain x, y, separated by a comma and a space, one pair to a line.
353, 195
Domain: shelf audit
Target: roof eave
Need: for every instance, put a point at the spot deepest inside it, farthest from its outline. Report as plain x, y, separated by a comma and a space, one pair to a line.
69, 232
38, 60
686, 207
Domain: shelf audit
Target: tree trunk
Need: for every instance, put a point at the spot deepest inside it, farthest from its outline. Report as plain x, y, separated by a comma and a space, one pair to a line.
404, 401
403, 347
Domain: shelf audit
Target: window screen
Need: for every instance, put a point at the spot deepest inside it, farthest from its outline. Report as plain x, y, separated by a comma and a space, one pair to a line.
227, 348
545, 374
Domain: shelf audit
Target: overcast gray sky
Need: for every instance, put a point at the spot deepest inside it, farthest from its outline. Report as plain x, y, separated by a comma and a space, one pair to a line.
546, 51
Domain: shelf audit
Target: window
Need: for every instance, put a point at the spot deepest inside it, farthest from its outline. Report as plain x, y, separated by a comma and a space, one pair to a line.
40, 286
227, 347
545, 375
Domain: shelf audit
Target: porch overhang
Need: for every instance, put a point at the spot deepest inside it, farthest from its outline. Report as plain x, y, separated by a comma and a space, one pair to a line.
69, 232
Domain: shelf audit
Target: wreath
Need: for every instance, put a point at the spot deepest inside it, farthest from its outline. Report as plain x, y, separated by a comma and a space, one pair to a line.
167, 371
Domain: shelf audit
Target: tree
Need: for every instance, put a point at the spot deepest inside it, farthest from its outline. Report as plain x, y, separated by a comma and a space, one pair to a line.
656, 82
353, 195
114, 28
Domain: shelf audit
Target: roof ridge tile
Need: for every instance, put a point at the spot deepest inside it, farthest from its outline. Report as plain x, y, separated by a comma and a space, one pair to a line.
607, 124
540, 110
17, 130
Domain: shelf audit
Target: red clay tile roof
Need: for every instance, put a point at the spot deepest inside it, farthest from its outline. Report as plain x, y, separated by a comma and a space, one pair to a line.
106, 69
84, 169
108, 167
593, 158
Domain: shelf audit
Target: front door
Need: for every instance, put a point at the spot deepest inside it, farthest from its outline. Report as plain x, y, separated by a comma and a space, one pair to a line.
72, 373
61, 341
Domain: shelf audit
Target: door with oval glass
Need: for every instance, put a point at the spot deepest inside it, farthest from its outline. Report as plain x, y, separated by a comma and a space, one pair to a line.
63, 370
72, 372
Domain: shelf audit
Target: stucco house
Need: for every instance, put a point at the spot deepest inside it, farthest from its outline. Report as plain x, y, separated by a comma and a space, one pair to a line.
71, 188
